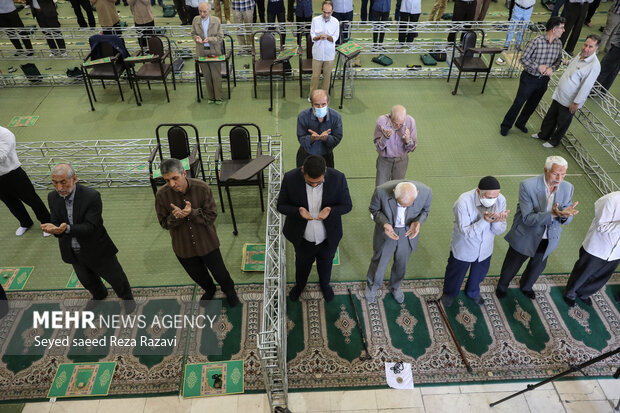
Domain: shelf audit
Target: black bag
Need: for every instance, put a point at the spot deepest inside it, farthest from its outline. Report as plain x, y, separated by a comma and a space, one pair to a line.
74, 72
428, 60
31, 72
440, 57
169, 10
383, 60
177, 65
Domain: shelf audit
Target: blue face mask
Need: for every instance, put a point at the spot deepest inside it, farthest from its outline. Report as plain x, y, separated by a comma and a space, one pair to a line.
320, 112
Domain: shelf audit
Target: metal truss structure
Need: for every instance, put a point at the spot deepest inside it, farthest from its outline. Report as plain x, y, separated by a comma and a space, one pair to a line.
272, 336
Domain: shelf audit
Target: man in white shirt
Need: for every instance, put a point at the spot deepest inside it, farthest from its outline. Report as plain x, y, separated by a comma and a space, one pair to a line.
16, 188
599, 254
324, 32
571, 93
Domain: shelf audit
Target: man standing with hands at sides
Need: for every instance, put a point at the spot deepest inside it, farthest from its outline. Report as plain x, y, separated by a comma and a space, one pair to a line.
313, 198
544, 206
208, 35
479, 215
398, 209
324, 32
84, 242
319, 129
395, 137
185, 206
541, 57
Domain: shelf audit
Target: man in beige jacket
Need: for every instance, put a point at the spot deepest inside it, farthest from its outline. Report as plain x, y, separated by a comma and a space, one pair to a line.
142, 17
208, 35
107, 15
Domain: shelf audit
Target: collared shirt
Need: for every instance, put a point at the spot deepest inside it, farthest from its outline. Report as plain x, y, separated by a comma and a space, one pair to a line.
315, 229
411, 6
395, 146
324, 50
241, 5
303, 8
577, 81
550, 197
343, 6
380, 6
540, 52
205, 28
401, 213
8, 153
472, 235
308, 120
192, 3
6, 6
69, 205
603, 237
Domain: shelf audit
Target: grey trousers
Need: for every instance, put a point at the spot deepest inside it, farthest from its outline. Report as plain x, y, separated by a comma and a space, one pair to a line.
384, 249
391, 168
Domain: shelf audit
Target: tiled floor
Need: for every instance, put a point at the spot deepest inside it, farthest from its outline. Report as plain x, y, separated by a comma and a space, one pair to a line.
577, 396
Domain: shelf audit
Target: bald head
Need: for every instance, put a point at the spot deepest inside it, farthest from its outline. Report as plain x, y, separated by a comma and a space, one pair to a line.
405, 193
319, 94
204, 9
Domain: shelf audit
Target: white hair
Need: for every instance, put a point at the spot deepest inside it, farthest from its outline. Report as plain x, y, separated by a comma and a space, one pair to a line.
63, 169
398, 110
405, 191
557, 160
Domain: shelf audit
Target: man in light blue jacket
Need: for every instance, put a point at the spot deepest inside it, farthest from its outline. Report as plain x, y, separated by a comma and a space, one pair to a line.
544, 205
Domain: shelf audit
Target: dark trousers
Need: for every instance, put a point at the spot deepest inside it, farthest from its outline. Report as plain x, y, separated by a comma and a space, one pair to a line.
142, 41
191, 12
108, 268
610, 65
53, 36
12, 20
301, 30
345, 20
290, 10
302, 155
305, 255
4, 305
463, 11
179, 5
591, 10
379, 33
405, 34
531, 90
589, 275
199, 268
115, 30
513, 262
575, 16
260, 10
556, 8
281, 16
364, 10
397, 10
17, 190
78, 5
555, 124
455, 274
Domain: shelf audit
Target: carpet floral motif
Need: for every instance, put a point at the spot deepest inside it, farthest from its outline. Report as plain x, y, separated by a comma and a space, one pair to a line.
345, 324
29, 334
406, 321
466, 319
580, 316
522, 317
222, 327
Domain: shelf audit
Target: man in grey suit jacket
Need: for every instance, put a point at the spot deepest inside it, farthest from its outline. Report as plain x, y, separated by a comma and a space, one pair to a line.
209, 43
398, 209
544, 205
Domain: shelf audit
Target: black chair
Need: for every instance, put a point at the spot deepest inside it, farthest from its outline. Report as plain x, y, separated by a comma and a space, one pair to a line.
470, 58
178, 143
104, 62
264, 63
155, 68
305, 63
228, 67
240, 156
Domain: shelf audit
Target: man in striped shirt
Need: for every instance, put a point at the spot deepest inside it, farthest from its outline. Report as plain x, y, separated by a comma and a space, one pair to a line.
541, 57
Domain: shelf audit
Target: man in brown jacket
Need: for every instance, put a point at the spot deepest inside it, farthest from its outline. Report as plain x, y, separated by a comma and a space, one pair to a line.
107, 15
208, 35
185, 207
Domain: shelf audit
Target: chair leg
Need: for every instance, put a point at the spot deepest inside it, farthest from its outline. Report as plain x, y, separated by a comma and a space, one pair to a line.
283, 83
90, 100
219, 189
135, 95
450, 70
148, 83
260, 193
301, 93
485, 82
120, 89
102, 83
475, 76
232, 212
166, 88
255, 95
456, 87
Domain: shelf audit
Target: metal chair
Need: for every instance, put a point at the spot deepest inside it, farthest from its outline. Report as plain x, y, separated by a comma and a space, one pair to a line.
228, 67
266, 63
179, 146
305, 63
470, 58
155, 68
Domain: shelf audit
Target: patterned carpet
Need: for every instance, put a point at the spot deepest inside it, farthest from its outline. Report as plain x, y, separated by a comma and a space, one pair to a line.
511, 339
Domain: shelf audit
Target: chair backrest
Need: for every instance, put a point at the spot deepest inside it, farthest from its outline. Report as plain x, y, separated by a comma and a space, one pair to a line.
240, 143
107, 50
267, 44
468, 41
178, 142
156, 46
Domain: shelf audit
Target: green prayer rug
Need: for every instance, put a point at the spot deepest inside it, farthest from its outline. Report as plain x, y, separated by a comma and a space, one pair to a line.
15, 278
213, 379
18, 121
82, 380
253, 257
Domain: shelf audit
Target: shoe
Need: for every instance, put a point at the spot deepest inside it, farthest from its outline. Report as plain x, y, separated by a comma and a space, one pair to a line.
227, 21
294, 294
587, 301
232, 299
569, 301
328, 294
46, 234
446, 301
522, 128
479, 300
21, 231
535, 136
500, 61
529, 294
206, 297
30, 53
64, 54
18, 53
547, 145
211, 101
92, 304
52, 54
503, 131
398, 295
500, 294
218, 101
370, 295
129, 306
588, 24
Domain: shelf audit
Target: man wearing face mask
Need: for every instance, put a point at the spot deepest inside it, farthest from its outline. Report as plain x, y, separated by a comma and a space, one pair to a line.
479, 215
395, 137
319, 129
398, 209
324, 32
544, 206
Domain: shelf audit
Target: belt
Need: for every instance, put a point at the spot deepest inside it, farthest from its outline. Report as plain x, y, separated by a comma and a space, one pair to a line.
524, 8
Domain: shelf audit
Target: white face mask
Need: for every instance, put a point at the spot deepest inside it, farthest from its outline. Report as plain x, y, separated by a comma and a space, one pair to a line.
488, 202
